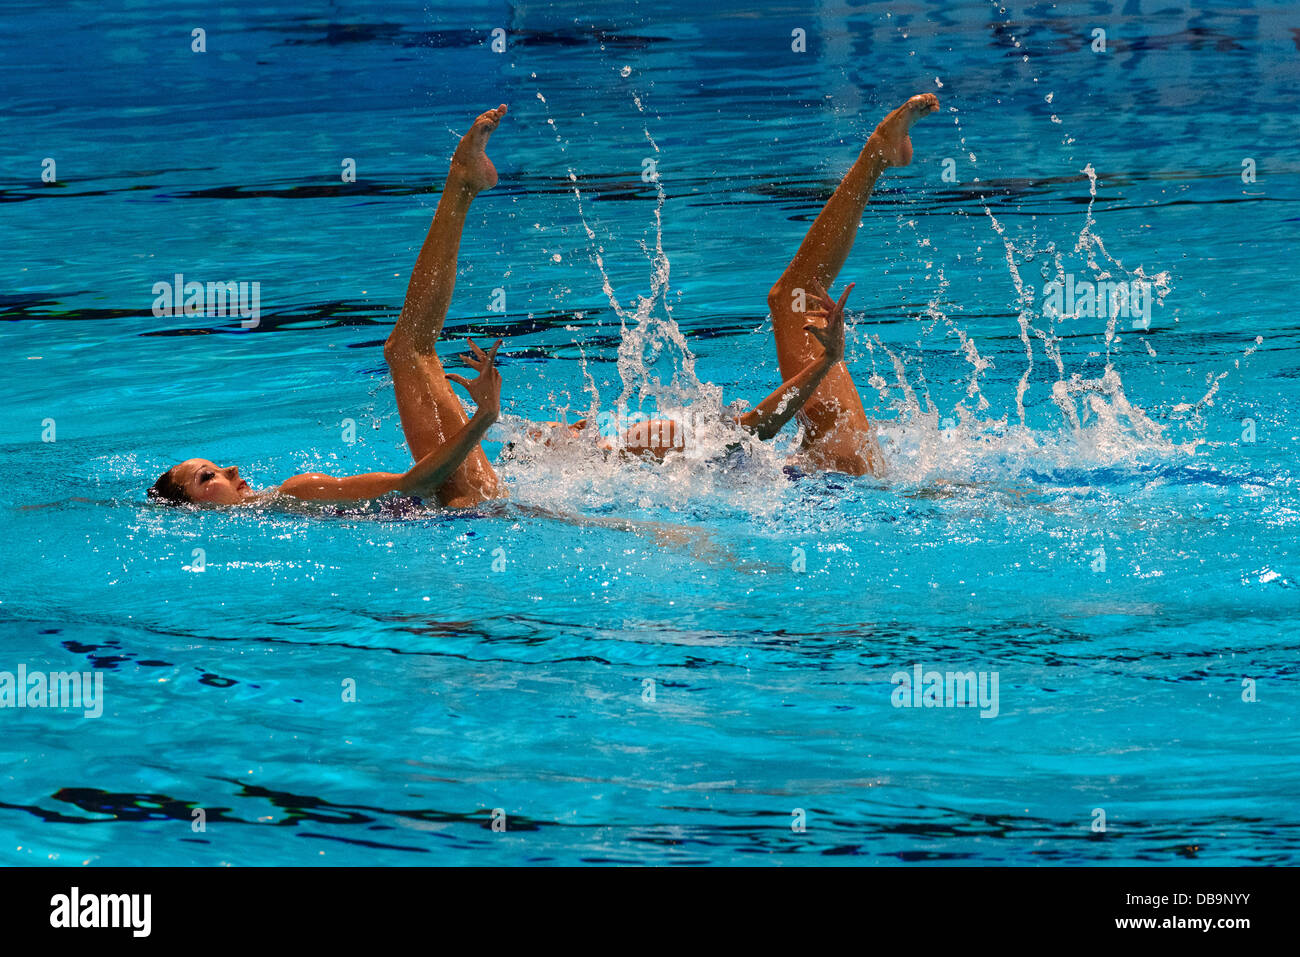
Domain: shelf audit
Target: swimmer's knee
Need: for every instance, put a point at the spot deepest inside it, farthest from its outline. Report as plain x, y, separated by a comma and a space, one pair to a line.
779, 296
400, 351
394, 349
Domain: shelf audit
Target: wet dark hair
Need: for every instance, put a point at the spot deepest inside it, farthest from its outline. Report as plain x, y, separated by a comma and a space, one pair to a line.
167, 489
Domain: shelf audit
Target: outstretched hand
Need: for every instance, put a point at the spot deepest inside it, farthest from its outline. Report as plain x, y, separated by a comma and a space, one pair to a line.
831, 333
485, 388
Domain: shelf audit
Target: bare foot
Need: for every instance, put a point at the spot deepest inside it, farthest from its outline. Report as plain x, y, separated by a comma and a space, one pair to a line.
470, 166
890, 140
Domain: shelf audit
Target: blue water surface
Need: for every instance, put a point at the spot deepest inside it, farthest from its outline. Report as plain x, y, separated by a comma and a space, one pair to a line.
686, 663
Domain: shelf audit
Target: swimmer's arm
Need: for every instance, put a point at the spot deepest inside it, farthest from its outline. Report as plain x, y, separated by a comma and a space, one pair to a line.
431, 472
424, 478
771, 415
315, 486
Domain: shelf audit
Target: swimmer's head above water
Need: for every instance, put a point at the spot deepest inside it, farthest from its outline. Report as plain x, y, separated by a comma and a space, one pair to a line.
200, 482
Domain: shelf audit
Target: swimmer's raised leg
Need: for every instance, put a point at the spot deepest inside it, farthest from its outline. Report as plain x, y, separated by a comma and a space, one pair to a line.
838, 434
429, 409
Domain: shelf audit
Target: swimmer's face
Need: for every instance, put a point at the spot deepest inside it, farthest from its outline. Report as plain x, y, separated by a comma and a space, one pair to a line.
209, 484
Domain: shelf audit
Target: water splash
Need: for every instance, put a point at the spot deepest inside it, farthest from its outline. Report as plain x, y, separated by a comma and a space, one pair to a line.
927, 438
658, 375
649, 337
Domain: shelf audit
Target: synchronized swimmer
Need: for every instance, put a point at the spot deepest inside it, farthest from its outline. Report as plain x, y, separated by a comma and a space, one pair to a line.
450, 465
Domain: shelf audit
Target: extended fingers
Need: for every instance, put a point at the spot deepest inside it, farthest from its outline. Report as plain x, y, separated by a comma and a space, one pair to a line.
819, 292
456, 377
480, 359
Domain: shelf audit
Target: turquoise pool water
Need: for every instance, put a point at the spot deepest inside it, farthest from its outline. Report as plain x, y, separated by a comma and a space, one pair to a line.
676, 664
